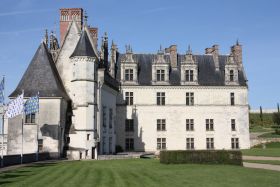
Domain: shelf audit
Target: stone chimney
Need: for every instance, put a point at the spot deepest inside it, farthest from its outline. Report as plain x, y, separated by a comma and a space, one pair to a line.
173, 56
236, 51
67, 15
214, 50
94, 35
113, 59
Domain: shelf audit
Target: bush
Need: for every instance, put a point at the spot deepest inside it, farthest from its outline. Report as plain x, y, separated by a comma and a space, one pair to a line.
201, 157
119, 149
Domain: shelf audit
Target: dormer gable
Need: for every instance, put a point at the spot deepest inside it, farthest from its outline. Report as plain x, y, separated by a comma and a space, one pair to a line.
160, 68
189, 69
231, 71
129, 68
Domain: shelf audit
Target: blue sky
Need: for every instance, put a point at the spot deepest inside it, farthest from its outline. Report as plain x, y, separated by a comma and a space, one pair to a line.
147, 24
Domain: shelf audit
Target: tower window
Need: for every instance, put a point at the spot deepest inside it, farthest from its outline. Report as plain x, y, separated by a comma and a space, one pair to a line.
232, 99
231, 75
233, 127
160, 75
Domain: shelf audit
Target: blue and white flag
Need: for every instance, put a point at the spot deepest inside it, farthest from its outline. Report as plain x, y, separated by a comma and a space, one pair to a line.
2, 91
31, 105
15, 107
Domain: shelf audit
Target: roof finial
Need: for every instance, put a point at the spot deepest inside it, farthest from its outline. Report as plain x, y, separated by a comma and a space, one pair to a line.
237, 42
85, 17
46, 39
189, 51
160, 51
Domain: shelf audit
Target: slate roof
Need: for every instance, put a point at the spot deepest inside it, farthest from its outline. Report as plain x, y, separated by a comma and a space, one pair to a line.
41, 75
207, 76
84, 47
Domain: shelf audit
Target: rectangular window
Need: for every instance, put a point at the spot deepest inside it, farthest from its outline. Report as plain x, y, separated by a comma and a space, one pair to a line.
189, 75
160, 75
233, 127
110, 145
190, 143
161, 125
129, 98
160, 98
88, 136
189, 98
129, 74
86, 152
104, 116
161, 143
129, 144
104, 144
189, 124
232, 98
209, 124
30, 118
129, 126
231, 75
110, 118
234, 143
40, 145
210, 143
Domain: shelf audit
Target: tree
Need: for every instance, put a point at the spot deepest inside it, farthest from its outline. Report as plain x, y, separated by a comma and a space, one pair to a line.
276, 120
261, 114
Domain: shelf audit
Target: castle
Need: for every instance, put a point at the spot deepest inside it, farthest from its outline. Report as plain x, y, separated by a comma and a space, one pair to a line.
96, 101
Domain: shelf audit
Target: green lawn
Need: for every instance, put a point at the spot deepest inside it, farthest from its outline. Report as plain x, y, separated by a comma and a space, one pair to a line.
273, 152
138, 172
270, 135
259, 128
272, 149
273, 162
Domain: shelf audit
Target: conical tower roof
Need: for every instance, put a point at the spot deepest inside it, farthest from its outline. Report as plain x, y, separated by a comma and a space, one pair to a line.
84, 47
41, 76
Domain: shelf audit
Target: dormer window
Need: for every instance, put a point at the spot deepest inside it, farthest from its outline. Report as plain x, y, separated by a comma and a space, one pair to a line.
160, 69
129, 75
189, 75
160, 75
231, 75
189, 69
129, 68
231, 71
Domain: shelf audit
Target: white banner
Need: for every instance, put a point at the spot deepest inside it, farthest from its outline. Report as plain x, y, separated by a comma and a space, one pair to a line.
15, 107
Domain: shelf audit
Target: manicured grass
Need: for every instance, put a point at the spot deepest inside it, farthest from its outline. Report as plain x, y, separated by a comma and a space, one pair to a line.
259, 128
270, 135
273, 152
270, 145
138, 172
273, 162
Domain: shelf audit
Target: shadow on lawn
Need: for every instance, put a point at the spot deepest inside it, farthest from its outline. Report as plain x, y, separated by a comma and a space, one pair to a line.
9, 177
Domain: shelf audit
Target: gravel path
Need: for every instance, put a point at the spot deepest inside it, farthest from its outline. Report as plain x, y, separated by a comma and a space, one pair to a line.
259, 158
262, 166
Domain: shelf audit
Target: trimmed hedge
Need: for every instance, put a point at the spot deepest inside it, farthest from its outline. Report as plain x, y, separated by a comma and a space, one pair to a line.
201, 157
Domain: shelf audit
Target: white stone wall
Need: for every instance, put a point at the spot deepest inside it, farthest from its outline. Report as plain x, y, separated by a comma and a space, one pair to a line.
51, 123
108, 101
209, 103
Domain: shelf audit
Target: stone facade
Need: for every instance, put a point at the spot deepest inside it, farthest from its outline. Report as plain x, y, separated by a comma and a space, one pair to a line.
139, 102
